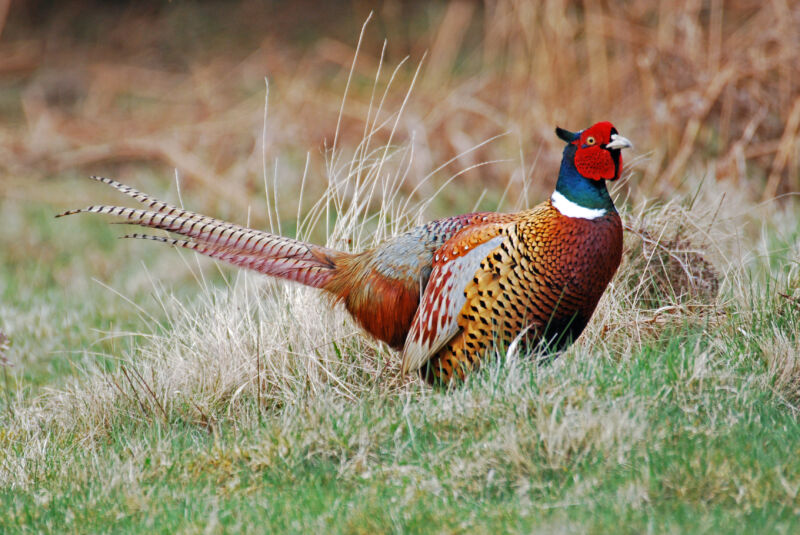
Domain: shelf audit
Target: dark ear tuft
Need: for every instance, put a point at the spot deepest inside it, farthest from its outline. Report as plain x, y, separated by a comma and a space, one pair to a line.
566, 135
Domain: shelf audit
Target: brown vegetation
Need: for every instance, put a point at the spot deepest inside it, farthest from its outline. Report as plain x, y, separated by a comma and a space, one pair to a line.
715, 84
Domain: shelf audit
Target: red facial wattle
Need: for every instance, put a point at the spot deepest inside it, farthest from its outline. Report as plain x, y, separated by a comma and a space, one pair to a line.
593, 159
596, 163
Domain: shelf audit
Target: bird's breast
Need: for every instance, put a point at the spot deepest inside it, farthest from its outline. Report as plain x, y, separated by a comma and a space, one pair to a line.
575, 254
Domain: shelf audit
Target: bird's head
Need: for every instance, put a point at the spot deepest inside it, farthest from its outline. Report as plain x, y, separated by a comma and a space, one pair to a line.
597, 150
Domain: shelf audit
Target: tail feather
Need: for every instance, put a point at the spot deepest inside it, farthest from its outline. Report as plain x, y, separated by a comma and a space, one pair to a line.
153, 205
295, 269
151, 202
261, 251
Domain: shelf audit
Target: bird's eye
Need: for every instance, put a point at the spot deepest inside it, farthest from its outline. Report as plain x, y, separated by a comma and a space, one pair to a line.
590, 140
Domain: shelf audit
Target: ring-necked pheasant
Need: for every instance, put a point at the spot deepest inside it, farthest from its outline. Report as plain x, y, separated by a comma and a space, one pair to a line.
453, 291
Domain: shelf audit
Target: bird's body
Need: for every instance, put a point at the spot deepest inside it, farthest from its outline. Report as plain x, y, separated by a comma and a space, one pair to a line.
538, 277
452, 291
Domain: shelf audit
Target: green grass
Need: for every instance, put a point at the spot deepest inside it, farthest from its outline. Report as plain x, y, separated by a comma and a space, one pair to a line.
52, 314
59, 319
673, 439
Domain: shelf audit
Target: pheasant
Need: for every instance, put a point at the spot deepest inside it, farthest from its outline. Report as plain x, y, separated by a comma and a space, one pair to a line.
451, 293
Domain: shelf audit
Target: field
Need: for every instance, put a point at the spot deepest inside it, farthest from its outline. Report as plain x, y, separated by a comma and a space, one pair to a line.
144, 389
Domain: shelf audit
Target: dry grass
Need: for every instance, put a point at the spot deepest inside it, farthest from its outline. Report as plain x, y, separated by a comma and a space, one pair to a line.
4, 364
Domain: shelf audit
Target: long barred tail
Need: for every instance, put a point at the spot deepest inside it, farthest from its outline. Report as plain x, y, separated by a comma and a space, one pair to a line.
290, 259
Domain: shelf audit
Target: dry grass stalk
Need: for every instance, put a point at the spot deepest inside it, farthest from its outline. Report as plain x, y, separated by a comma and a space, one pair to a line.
4, 363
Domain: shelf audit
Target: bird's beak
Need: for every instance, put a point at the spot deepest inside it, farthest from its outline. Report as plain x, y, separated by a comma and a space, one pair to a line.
619, 142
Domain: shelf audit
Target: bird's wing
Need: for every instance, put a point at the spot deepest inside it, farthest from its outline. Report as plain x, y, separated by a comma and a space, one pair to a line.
454, 268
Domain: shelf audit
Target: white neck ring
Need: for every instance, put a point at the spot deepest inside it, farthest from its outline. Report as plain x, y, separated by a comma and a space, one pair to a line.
571, 209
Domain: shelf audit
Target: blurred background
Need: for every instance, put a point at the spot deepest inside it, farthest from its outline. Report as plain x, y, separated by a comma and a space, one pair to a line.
708, 91
120, 86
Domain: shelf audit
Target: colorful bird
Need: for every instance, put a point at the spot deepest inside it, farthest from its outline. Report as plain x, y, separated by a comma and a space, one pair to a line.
453, 292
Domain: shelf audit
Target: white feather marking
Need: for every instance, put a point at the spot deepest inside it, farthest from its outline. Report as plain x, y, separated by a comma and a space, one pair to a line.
571, 209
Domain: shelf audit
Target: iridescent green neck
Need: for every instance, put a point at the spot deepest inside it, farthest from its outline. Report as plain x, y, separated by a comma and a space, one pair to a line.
584, 192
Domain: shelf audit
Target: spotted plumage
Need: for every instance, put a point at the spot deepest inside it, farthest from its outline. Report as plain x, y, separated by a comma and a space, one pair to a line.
565, 264
456, 291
